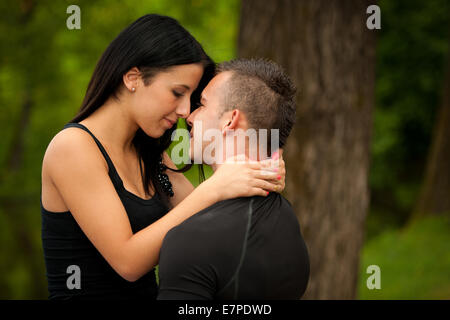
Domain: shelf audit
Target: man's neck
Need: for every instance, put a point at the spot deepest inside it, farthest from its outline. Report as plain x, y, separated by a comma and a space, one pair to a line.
244, 156
240, 152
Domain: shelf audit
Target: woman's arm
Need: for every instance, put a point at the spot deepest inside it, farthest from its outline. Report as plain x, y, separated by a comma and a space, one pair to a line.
80, 174
182, 187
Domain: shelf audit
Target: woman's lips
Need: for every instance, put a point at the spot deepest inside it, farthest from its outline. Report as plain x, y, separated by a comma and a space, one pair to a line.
170, 122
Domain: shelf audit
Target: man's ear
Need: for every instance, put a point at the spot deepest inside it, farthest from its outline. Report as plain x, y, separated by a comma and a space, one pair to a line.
232, 121
131, 79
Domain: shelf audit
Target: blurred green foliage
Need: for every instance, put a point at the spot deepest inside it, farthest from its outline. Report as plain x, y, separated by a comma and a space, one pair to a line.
414, 261
412, 48
45, 69
44, 63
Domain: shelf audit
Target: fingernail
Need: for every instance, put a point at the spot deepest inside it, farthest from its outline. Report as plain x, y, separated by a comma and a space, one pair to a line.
275, 155
267, 193
279, 177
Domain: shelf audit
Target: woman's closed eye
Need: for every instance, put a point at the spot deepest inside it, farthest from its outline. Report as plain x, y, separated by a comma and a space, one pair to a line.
177, 94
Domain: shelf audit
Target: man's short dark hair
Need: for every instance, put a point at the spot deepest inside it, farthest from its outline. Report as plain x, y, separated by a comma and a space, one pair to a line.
263, 91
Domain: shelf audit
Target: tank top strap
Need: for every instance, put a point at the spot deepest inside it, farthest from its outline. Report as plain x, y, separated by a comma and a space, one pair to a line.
112, 170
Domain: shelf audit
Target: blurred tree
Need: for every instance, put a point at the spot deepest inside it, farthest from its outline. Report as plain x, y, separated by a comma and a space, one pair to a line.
435, 194
330, 54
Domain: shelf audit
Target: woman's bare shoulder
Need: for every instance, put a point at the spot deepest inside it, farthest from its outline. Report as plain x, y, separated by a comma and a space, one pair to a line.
71, 147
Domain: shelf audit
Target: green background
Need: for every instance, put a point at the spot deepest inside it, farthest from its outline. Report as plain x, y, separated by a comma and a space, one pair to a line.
43, 62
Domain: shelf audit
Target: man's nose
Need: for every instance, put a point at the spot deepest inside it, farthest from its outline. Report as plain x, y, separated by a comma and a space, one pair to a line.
190, 119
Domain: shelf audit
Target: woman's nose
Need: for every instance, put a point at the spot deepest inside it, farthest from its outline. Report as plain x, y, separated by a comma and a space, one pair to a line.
184, 108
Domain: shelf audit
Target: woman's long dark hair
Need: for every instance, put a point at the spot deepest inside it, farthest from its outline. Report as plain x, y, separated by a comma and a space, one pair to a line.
152, 43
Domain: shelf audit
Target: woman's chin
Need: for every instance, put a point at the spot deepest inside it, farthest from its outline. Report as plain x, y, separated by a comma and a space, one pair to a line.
155, 134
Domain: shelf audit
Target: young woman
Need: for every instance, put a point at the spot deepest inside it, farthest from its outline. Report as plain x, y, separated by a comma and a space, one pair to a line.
107, 200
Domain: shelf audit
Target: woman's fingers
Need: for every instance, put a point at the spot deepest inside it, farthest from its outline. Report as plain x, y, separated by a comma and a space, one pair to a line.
252, 164
268, 164
259, 192
273, 163
274, 181
263, 184
267, 175
242, 177
273, 176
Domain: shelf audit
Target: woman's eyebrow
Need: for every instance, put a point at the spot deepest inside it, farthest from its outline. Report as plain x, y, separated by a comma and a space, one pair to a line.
185, 86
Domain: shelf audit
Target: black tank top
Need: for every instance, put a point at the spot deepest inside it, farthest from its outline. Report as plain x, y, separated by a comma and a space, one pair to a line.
68, 253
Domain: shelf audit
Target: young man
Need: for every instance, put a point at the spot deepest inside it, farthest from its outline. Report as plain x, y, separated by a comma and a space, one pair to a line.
244, 248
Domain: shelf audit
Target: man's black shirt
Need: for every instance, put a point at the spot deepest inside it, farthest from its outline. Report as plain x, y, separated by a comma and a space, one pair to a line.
243, 248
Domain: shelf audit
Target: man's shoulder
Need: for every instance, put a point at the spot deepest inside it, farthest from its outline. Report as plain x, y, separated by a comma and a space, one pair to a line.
225, 214
216, 216
210, 226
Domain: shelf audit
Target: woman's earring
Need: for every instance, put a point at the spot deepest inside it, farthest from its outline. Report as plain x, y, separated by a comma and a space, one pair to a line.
133, 89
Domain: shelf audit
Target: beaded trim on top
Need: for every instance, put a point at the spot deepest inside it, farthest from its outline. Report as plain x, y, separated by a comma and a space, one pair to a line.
163, 179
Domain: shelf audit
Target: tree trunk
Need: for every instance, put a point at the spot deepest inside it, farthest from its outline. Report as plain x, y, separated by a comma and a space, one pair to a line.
435, 194
329, 53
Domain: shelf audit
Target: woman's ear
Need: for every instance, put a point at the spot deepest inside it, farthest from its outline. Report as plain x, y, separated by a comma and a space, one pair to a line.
131, 79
